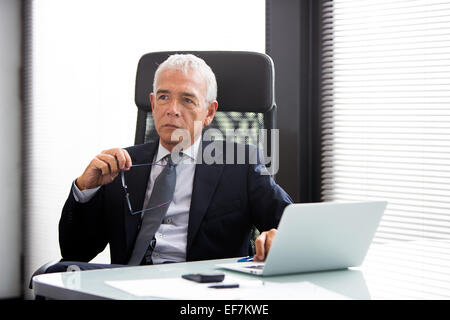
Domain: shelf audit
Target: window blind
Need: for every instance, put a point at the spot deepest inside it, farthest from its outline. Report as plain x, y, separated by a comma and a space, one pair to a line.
386, 111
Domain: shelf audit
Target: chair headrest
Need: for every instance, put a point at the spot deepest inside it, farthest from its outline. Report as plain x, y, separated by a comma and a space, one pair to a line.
245, 80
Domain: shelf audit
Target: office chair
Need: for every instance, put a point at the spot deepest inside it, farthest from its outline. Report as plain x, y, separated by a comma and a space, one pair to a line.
246, 97
246, 85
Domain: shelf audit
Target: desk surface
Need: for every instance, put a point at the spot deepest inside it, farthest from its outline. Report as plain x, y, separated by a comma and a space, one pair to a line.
401, 270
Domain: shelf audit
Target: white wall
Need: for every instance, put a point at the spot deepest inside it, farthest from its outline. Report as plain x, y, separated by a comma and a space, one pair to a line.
85, 56
10, 154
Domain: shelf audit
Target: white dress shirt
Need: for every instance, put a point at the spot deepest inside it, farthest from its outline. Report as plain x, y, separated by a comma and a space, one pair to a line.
171, 237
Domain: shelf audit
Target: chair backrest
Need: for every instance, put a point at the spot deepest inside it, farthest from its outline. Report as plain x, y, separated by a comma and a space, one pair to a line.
245, 82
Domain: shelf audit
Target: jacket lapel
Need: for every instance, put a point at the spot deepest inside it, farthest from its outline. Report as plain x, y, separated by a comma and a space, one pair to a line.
137, 180
205, 182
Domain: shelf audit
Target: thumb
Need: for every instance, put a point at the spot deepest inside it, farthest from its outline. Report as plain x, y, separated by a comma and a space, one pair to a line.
260, 247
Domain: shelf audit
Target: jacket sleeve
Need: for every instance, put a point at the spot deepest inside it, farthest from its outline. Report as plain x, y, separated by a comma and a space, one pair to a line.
82, 229
267, 199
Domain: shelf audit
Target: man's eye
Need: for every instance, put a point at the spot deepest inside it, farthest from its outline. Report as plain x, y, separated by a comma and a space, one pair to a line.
188, 100
163, 97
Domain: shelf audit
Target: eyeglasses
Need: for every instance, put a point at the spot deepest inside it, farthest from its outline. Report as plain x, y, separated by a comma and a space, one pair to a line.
127, 194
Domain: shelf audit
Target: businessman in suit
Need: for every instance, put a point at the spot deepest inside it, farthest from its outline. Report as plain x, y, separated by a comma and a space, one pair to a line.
213, 205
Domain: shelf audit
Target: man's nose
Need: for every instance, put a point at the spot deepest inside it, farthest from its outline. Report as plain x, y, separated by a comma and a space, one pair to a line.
174, 109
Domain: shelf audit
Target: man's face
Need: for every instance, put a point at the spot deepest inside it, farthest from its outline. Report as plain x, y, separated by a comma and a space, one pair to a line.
178, 102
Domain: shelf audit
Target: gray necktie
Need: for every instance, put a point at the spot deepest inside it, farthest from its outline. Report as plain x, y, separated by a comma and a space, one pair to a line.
160, 198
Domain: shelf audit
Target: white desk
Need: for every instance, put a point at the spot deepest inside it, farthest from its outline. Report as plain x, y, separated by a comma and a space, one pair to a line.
404, 270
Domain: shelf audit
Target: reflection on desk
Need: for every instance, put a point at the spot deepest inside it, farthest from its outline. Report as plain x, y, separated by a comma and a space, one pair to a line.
248, 289
401, 270
409, 270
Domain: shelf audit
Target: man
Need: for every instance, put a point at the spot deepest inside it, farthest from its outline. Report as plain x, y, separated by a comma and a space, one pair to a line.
210, 207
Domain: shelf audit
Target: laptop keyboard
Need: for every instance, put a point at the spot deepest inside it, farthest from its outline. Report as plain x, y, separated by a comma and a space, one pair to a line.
257, 266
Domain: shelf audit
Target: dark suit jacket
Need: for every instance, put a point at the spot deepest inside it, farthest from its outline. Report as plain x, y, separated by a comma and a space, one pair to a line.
227, 199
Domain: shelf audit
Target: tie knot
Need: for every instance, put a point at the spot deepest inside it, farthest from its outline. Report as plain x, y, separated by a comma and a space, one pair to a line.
174, 158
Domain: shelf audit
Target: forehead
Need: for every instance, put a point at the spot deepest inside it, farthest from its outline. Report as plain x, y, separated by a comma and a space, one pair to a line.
179, 81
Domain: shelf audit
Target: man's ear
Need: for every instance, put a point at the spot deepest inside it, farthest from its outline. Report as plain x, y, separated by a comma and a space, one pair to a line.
212, 108
152, 100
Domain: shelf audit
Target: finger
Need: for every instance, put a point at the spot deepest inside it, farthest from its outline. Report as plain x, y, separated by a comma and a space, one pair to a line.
101, 165
269, 239
267, 245
128, 162
120, 157
260, 247
111, 161
124, 159
117, 154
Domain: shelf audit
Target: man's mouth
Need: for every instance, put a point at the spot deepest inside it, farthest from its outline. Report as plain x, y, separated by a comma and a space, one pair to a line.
172, 126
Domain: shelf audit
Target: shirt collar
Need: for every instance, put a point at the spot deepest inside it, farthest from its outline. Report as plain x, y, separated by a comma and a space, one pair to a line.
191, 152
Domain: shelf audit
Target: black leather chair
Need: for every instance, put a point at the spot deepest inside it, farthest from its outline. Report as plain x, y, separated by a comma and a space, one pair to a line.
246, 98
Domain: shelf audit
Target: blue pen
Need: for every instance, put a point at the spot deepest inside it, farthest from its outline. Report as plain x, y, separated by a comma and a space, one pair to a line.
249, 258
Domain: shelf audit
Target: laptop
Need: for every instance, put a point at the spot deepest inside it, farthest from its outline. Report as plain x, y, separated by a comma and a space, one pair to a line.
317, 237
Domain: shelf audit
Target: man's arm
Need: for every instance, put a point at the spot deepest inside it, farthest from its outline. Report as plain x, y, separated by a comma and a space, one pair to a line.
82, 227
267, 202
263, 244
85, 195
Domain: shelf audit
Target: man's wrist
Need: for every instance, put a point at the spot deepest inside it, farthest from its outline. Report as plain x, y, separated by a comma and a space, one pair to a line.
79, 185
85, 195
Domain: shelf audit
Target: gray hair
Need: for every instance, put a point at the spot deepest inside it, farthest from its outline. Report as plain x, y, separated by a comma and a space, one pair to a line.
186, 62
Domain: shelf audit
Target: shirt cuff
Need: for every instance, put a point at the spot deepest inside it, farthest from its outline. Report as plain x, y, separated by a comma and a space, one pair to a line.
85, 195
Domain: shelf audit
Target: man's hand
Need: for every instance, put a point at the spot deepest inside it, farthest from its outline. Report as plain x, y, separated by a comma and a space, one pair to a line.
104, 168
263, 244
